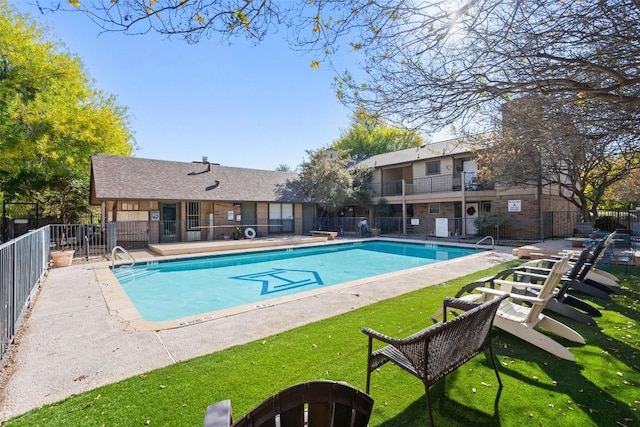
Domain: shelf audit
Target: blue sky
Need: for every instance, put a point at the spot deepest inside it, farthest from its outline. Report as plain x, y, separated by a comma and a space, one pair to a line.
240, 105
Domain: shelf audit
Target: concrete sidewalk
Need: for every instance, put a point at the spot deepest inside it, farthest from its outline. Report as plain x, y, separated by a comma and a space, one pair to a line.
70, 343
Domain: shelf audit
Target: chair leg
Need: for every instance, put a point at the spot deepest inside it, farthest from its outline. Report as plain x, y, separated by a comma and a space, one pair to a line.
369, 364
495, 365
428, 399
570, 312
578, 303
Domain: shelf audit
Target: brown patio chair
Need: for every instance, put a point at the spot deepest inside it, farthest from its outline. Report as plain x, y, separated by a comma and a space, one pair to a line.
314, 403
436, 351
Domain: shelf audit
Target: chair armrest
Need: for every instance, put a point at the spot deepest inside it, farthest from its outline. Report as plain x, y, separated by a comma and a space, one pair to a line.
507, 285
496, 292
418, 336
460, 304
533, 268
537, 263
517, 296
380, 336
531, 274
218, 414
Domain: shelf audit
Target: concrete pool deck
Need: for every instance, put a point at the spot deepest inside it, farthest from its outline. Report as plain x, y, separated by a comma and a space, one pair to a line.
70, 343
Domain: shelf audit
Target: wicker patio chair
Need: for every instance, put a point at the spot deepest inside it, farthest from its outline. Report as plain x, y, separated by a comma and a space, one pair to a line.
436, 351
314, 403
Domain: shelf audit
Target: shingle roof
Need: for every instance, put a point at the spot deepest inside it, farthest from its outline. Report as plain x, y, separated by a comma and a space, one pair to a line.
132, 178
427, 151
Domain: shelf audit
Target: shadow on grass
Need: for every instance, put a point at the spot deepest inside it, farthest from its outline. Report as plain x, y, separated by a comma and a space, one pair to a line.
455, 413
603, 391
571, 379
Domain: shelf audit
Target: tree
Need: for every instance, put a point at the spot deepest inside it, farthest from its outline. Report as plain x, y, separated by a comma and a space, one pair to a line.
624, 193
368, 136
439, 63
327, 180
565, 147
51, 120
428, 63
282, 167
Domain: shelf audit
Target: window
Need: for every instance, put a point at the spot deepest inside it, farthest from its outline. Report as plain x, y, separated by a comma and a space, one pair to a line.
280, 217
193, 215
433, 168
130, 206
434, 208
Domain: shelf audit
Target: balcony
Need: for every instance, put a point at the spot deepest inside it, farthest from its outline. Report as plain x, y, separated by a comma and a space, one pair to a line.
429, 185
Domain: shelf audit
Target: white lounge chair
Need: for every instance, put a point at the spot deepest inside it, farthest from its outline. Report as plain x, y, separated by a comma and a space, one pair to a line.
523, 321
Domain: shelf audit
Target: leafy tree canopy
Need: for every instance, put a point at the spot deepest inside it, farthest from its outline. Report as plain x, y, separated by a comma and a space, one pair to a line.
368, 136
427, 63
51, 117
565, 147
624, 193
283, 167
436, 63
327, 179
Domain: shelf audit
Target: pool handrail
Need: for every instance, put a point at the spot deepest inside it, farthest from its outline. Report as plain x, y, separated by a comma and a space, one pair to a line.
493, 243
113, 255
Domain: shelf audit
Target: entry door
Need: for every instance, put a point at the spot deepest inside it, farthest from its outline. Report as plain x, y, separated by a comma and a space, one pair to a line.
472, 215
169, 222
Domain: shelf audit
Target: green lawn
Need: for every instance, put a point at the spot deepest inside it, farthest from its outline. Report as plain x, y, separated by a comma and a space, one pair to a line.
539, 389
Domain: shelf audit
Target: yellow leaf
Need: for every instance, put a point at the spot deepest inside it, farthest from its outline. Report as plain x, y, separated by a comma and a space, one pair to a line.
75, 3
315, 64
199, 18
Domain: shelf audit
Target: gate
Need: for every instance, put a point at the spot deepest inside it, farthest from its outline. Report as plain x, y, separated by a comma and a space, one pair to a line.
19, 218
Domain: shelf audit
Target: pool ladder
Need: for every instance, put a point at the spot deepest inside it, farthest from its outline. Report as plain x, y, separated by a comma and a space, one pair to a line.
123, 250
493, 243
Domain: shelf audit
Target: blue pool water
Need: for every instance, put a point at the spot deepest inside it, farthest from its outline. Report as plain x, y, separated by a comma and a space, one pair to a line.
175, 289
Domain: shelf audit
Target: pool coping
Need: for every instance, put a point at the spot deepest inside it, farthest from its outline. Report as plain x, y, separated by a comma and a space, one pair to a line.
69, 343
127, 317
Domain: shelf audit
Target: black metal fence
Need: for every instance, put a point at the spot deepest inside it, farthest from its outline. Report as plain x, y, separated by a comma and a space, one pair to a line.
15, 226
511, 229
86, 240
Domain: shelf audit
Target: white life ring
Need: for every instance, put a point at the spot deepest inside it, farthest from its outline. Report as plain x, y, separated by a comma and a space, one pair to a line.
250, 233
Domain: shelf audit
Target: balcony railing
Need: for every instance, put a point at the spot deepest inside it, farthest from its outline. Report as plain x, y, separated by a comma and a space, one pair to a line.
430, 184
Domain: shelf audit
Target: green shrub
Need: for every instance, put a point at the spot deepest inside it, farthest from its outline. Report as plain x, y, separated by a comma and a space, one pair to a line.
488, 223
607, 223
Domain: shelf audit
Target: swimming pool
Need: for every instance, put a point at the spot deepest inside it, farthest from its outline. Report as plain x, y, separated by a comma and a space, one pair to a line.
175, 289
